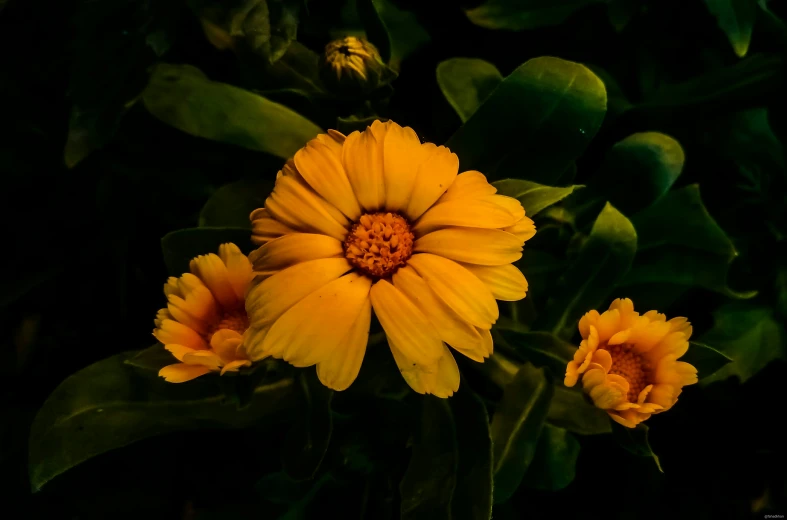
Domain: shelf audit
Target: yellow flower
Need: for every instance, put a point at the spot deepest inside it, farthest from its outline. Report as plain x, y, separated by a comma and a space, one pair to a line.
205, 318
353, 64
629, 363
379, 221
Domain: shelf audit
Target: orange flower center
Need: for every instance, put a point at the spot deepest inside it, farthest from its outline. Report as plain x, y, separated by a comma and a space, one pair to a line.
631, 366
234, 319
379, 244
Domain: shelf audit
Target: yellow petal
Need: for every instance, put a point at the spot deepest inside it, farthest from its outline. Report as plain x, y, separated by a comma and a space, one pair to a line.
172, 331
524, 229
206, 358
434, 177
405, 324
588, 319
340, 369
270, 299
239, 268
265, 229
450, 327
225, 342
292, 249
213, 273
622, 420
459, 288
300, 208
440, 378
477, 213
320, 166
510, 204
180, 372
607, 396
403, 155
603, 358
506, 282
233, 366
674, 344
312, 330
362, 157
468, 185
252, 343
178, 350
472, 245
446, 379
608, 324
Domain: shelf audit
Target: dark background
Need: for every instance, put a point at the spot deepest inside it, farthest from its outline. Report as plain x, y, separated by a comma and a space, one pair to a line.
82, 270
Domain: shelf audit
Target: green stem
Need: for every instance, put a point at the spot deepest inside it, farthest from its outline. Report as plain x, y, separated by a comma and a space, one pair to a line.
500, 369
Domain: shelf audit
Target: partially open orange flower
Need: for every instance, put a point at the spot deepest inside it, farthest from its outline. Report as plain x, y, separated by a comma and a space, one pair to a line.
205, 318
629, 363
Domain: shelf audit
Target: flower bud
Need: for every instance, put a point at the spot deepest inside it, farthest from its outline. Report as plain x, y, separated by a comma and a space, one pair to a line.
353, 66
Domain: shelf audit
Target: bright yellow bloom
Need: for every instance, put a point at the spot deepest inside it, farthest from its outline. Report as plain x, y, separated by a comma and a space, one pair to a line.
205, 318
379, 221
629, 363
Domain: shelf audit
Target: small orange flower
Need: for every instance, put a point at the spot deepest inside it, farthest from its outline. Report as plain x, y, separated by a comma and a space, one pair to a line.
629, 363
205, 318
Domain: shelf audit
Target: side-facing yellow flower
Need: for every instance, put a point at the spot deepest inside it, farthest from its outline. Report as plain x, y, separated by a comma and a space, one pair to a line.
629, 363
377, 220
205, 317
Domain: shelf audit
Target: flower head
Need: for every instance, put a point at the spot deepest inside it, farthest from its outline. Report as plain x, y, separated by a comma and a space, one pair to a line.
378, 221
353, 65
629, 364
205, 318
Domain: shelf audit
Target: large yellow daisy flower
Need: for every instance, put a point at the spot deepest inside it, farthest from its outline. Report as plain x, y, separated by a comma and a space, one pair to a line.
629, 363
379, 221
205, 318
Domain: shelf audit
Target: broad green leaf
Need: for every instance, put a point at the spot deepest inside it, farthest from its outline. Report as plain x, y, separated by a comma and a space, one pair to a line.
396, 33
539, 119
635, 440
428, 484
707, 360
305, 444
570, 409
540, 348
231, 205
639, 170
521, 15
554, 464
152, 358
466, 83
179, 247
183, 97
680, 243
533, 196
516, 427
736, 19
472, 498
110, 404
750, 334
603, 260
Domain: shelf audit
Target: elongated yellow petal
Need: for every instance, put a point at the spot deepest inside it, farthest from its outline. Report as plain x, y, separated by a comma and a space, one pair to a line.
506, 282
178, 350
234, 366
468, 185
320, 166
270, 299
362, 157
340, 369
459, 288
171, 331
452, 329
440, 378
213, 273
300, 208
238, 268
264, 229
405, 324
434, 177
472, 245
312, 330
402, 157
206, 358
181, 372
524, 229
292, 249
510, 204
476, 213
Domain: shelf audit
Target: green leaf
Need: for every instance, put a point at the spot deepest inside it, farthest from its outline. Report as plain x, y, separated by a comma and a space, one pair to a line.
521, 15
707, 360
750, 334
516, 427
466, 83
307, 441
533, 196
554, 465
183, 97
231, 205
540, 348
152, 358
639, 170
570, 409
736, 19
179, 247
395, 33
635, 440
110, 404
603, 260
428, 484
348, 125
680, 243
539, 119
472, 498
